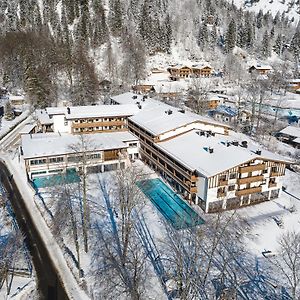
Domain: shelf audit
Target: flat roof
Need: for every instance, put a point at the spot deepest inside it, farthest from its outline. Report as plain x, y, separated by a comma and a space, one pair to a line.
53, 144
191, 150
94, 111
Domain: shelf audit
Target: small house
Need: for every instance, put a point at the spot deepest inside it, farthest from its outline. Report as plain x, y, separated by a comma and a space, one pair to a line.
260, 69
290, 135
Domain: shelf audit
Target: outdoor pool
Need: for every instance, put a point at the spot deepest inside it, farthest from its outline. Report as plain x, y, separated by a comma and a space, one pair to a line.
70, 176
170, 204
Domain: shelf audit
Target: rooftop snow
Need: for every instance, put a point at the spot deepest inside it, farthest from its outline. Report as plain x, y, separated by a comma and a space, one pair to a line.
43, 117
41, 144
191, 150
77, 112
292, 131
157, 121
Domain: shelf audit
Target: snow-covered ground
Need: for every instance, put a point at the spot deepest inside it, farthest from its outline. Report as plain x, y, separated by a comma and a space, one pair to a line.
272, 6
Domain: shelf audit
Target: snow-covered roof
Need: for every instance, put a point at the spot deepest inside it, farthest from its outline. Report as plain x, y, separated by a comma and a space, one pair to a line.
261, 67
227, 110
52, 144
27, 129
43, 117
291, 130
191, 150
293, 81
93, 111
297, 140
158, 121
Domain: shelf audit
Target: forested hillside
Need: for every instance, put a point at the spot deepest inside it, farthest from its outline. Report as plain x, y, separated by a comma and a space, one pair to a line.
64, 48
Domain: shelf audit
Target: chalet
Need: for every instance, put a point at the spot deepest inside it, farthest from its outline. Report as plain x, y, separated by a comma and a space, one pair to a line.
203, 70
53, 153
290, 135
293, 84
200, 70
260, 69
143, 88
179, 72
17, 100
228, 114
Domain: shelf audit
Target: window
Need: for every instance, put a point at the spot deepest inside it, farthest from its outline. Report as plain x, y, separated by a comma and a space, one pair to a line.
38, 162
222, 178
56, 159
132, 144
231, 188
232, 176
94, 156
265, 171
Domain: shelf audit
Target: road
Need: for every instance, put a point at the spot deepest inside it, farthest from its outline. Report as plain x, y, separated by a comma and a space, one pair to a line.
49, 285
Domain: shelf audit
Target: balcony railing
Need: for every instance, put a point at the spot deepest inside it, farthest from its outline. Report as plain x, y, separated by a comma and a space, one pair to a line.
222, 182
250, 179
252, 168
193, 189
275, 174
272, 184
248, 191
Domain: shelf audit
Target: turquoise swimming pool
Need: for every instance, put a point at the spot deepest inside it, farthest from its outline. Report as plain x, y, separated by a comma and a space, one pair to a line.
170, 204
70, 176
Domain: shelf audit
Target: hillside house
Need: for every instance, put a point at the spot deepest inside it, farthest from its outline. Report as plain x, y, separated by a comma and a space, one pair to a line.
260, 69
293, 84
179, 72
290, 135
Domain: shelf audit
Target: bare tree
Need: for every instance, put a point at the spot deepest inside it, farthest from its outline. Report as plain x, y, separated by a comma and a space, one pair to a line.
197, 256
81, 151
288, 261
118, 255
198, 95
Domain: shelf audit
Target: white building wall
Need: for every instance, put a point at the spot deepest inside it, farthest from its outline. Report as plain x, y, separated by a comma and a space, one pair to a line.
59, 124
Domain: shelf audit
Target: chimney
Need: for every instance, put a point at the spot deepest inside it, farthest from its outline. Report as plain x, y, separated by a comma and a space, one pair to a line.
228, 144
68, 110
244, 144
235, 143
139, 106
211, 150
134, 97
258, 152
182, 110
169, 112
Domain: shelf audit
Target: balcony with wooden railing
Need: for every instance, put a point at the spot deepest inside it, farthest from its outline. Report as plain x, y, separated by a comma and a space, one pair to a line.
250, 179
248, 191
247, 169
98, 124
193, 190
223, 182
275, 174
272, 184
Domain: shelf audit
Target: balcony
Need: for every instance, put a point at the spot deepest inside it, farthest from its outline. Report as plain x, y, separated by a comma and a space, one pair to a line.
222, 182
275, 174
252, 168
250, 179
221, 195
248, 191
193, 178
193, 190
272, 184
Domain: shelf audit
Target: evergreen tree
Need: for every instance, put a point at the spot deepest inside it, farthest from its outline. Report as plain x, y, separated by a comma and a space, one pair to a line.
230, 38
202, 36
278, 45
115, 17
266, 49
259, 19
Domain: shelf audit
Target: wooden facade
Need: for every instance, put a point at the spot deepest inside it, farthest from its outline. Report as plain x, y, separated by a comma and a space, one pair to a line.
186, 72
93, 125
